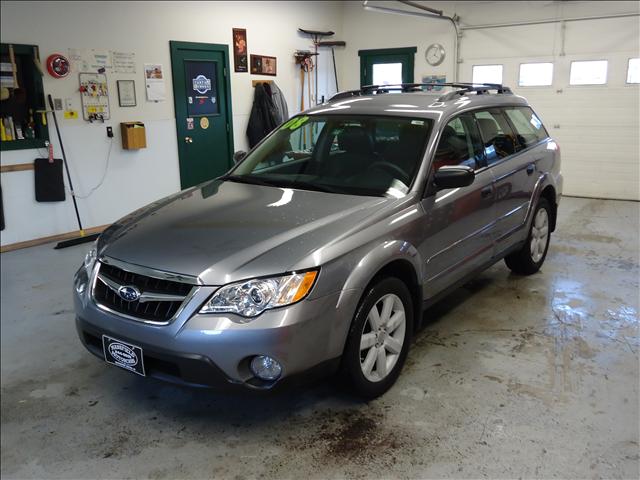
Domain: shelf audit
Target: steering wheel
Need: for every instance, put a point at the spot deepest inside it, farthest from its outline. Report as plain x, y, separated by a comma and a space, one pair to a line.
393, 169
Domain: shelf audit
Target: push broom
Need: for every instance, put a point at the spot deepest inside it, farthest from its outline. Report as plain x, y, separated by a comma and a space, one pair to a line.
83, 237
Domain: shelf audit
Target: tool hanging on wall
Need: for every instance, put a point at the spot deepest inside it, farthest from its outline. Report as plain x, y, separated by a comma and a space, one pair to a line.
316, 36
304, 58
83, 237
337, 43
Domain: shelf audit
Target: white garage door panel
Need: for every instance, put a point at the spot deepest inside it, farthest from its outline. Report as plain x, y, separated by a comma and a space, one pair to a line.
598, 130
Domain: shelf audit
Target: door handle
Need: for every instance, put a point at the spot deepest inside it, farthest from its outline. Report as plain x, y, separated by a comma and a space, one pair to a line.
188, 140
486, 192
531, 168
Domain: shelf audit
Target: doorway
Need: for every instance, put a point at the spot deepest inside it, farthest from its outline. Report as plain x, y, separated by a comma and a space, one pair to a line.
202, 98
387, 66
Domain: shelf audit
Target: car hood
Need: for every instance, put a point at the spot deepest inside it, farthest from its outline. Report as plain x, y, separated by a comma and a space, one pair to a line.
226, 231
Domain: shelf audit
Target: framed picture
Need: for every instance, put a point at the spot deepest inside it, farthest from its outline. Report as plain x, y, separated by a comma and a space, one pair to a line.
263, 65
240, 57
127, 93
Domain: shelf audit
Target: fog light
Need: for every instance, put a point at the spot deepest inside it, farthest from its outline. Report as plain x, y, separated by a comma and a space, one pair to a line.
265, 367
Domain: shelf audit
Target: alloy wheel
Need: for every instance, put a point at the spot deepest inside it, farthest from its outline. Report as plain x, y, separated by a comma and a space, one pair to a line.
382, 337
539, 235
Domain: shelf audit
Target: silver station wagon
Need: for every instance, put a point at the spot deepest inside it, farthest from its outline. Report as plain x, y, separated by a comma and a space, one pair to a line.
320, 249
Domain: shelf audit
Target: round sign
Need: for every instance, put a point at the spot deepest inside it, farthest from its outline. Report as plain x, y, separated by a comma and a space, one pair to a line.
58, 66
204, 123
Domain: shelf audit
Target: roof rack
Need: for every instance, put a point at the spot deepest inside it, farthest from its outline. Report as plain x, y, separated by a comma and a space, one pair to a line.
463, 88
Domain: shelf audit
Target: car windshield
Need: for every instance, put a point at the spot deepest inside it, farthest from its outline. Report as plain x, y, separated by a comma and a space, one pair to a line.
354, 155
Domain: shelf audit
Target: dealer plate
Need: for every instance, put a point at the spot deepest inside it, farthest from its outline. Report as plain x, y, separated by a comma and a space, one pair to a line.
123, 355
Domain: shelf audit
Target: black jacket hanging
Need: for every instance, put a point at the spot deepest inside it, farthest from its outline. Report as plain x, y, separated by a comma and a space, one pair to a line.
263, 118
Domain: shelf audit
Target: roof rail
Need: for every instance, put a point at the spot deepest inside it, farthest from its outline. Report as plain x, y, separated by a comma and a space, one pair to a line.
463, 88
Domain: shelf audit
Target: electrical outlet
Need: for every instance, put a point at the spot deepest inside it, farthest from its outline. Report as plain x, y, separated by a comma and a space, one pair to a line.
110, 132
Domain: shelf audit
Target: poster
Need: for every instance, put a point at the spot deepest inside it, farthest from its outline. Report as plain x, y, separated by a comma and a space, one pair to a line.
263, 65
434, 79
202, 88
154, 82
240, 61
89, 60
123, 62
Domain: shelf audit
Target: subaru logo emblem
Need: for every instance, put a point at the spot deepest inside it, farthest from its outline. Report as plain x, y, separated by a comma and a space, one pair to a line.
129, 293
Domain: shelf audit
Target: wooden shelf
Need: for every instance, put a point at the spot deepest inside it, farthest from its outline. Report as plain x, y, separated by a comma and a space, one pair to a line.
17, 167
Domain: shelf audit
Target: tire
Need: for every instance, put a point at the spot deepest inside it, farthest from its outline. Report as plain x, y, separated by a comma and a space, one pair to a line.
530, 257
370, 371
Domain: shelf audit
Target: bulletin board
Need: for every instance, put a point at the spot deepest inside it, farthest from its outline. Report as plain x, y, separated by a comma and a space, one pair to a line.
94, 93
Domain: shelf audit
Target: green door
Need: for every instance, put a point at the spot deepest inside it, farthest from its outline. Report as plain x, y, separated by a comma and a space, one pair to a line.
202, 96
387, 66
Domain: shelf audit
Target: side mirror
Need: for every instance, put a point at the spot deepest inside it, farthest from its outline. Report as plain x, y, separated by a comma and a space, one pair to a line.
454, 176
239, 156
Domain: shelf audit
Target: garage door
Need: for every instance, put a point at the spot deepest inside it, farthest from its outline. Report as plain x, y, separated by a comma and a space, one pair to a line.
597, 126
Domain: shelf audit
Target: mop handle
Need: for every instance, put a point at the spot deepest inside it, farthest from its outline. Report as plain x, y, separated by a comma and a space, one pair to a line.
64, 162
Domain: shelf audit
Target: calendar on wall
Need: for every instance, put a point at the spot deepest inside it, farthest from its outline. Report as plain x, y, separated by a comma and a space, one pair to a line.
94, 93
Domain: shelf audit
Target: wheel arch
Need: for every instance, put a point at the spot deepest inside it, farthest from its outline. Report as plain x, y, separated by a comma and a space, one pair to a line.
402, 262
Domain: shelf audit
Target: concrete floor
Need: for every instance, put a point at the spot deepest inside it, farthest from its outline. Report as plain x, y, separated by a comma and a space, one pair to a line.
512, 377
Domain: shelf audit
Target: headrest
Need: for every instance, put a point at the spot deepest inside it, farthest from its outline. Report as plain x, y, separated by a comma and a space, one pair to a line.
355, 140
488, 129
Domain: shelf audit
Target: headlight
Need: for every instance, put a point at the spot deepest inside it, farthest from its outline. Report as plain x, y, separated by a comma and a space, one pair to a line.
252, 297
90, 257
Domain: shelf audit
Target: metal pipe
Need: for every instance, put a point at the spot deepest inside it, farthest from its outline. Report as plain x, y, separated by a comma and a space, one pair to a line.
421, 7
549, 20
437, 14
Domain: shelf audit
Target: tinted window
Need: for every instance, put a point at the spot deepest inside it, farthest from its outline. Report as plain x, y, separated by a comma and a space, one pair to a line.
460, 144
497, 136
529, 128
355, 155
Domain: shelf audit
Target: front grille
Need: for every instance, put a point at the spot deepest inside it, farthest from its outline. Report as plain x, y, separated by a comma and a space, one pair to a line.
157, 311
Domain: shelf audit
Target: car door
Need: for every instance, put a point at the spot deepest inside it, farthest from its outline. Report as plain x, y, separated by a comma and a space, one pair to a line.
512, 157
459, 222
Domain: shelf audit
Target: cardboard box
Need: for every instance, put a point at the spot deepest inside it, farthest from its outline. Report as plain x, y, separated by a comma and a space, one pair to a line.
134, 135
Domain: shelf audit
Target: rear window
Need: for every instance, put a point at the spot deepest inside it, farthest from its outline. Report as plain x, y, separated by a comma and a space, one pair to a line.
528, 127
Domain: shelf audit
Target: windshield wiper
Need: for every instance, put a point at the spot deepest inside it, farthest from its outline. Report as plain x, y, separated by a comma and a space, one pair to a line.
309, 186
251, 179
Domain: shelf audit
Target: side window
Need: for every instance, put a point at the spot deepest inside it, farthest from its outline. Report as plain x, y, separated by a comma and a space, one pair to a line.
529, 129
460, 144
497, 136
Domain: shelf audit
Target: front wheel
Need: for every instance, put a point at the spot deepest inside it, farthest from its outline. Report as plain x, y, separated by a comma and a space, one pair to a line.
379, 338
530, 257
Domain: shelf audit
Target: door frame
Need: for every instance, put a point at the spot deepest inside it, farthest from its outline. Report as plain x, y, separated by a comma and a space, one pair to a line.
407, 77
176, 45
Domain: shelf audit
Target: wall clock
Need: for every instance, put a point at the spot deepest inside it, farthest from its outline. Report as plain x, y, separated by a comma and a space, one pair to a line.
434, 54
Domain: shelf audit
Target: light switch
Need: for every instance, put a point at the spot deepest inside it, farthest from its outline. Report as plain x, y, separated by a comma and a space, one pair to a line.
57, 104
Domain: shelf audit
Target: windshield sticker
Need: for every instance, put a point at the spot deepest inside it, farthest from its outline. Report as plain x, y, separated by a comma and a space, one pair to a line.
417, 122
295, 123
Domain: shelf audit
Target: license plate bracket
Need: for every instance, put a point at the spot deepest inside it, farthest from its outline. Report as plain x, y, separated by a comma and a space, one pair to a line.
123, 354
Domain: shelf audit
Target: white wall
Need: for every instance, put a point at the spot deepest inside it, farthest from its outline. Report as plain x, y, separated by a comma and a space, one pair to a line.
136, 178
597, 127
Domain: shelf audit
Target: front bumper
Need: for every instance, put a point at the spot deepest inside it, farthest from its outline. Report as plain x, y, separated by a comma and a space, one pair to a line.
213, 351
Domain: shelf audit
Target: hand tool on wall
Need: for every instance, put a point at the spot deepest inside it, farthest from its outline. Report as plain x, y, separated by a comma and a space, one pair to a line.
337, 43
83, 237
316, 36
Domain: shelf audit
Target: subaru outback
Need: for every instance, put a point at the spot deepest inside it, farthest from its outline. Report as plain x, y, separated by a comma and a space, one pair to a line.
320, 249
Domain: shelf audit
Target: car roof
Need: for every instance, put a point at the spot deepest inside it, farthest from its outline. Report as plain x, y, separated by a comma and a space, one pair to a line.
385, 101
